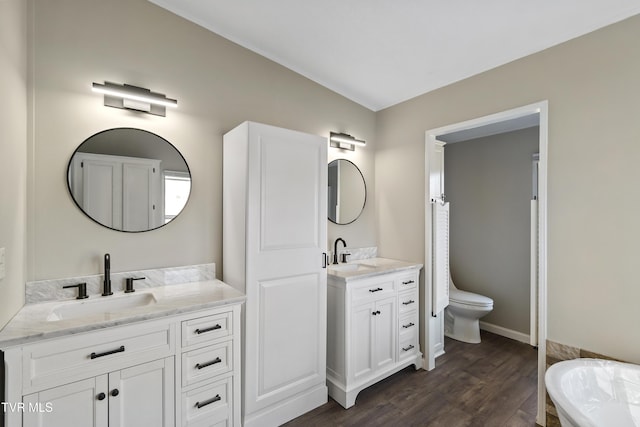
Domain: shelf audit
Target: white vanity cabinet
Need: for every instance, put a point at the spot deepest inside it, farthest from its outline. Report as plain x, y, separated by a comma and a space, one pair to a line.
210, 370
135, 396
179, 370
372, 330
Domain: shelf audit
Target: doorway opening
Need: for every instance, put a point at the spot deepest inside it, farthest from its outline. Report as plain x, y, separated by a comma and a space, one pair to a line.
436, 139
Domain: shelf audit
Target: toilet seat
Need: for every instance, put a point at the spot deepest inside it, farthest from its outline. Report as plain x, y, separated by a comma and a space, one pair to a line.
470, 299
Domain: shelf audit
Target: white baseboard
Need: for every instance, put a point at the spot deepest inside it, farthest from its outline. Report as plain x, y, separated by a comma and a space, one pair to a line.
508, 333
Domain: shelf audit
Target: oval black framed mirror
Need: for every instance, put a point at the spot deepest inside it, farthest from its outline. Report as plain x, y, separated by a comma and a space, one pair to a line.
347, 192
129, 179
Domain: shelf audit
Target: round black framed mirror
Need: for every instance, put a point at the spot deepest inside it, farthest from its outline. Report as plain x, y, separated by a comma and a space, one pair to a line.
129, 179
347, 193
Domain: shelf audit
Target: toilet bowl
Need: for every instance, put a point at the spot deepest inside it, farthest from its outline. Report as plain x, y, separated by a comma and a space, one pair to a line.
462, 315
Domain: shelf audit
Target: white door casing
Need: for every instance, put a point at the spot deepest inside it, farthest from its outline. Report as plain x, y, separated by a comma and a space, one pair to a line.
540, 108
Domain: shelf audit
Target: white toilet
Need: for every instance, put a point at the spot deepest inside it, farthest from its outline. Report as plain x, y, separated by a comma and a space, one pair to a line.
462, 315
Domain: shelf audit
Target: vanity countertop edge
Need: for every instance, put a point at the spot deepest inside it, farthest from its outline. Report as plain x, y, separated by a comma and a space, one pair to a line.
386, 266
30, 324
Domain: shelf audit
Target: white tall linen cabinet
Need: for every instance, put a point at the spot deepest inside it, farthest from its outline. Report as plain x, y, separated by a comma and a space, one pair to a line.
274, 249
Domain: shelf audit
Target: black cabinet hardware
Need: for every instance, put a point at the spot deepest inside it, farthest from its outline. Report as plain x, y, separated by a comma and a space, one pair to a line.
324, 260
375, 313
106, 353
408, 282
101, 396
213, 328
408, 302
208, 402
204, 365
408, 325
115, 392
407, 348
375, 290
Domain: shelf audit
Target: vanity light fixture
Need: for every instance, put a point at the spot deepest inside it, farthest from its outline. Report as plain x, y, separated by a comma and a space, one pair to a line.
134, 98
344, 141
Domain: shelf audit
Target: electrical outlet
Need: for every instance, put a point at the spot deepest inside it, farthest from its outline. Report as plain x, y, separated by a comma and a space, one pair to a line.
2, 270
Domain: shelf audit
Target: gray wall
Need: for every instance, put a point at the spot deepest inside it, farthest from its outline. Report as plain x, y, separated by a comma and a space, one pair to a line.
591, 83
218, 85
488, 182
13, 153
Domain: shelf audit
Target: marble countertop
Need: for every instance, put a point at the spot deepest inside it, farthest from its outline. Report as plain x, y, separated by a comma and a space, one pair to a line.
369, 267
40, 321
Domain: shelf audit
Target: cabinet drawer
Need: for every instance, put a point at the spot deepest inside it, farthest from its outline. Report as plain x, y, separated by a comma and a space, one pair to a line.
207, 362
207, 329
209, 405
408, 345
407, 281
68, 359
408, 325
407, 301
372, 291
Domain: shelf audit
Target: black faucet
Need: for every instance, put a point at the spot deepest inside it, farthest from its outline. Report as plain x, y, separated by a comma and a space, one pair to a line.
335, 248
82, 290
106, 289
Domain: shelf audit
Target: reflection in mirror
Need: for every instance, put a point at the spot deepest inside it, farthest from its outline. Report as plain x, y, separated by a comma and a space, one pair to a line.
129, 179
347, 192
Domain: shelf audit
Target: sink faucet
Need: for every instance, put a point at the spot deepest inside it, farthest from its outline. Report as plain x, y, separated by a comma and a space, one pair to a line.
335, 248
106, 289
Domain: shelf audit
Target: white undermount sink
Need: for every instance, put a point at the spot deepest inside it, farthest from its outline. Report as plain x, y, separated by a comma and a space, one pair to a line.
100, 306
376, 262
349, 267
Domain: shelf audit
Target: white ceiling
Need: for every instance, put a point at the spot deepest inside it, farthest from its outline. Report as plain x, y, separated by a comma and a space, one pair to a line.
382, 52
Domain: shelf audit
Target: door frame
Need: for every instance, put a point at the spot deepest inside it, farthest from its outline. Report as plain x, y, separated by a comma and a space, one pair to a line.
430, 325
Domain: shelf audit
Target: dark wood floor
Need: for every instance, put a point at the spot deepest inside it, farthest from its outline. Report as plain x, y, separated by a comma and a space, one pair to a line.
488, 384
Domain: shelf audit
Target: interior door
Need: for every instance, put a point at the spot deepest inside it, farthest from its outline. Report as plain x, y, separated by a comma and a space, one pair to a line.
286, 279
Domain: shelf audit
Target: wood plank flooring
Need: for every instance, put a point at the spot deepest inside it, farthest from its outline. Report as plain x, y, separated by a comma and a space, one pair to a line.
488, 384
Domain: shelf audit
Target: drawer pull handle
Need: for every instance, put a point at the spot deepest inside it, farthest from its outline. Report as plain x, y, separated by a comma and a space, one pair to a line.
407, 348
101, 396
204, 365
106, 353
375, 313
213, 328
375, 290
208, 402
408, 302
408, 282
408, 325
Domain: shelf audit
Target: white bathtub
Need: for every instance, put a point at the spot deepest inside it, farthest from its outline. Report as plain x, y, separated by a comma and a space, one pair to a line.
595, 392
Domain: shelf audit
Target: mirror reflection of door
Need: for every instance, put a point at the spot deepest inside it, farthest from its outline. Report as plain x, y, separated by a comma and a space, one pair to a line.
347, 193
129, 179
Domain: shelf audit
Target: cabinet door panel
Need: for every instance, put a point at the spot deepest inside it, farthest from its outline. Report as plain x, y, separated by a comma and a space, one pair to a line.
385, 333
102, 191
140, 207
362, 322
144, 395
74, 404
285, 281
